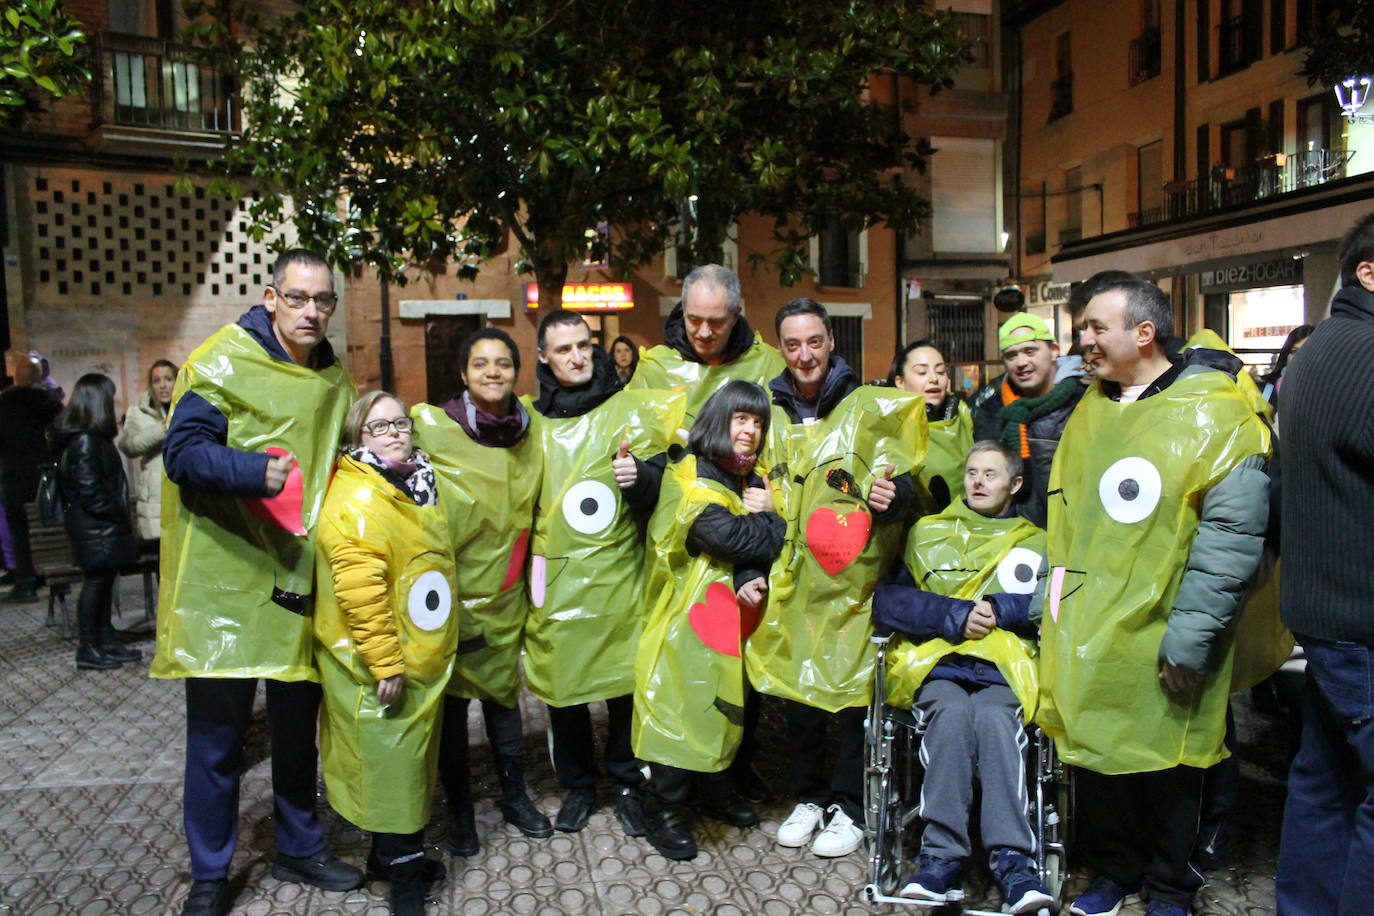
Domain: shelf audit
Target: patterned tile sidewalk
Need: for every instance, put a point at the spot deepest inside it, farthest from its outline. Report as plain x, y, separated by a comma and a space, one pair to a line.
90, 817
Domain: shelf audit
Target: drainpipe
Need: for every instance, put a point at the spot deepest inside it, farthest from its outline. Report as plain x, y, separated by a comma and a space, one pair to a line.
385, 355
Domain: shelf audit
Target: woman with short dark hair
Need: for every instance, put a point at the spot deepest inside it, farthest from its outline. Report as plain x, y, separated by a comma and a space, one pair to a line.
712, 539
95, 496
625, 355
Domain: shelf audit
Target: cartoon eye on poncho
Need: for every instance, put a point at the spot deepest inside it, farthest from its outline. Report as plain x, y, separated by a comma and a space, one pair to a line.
587, 553
1124, 498
812, 645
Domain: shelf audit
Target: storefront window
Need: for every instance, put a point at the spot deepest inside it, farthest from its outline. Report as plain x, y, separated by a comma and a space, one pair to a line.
1260, 319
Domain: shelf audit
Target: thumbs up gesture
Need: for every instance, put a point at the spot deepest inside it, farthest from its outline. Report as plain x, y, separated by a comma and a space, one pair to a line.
623, 464
758, 499
883, 491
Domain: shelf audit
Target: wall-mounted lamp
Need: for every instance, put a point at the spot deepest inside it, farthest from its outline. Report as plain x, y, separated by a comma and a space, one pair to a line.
1351, 95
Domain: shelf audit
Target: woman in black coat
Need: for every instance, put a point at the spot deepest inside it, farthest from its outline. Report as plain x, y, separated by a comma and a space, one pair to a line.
95, 496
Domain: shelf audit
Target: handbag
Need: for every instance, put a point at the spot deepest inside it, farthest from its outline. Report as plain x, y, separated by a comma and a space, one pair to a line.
50, 507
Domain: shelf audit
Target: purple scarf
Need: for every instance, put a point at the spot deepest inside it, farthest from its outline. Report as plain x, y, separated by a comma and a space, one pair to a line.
487, 428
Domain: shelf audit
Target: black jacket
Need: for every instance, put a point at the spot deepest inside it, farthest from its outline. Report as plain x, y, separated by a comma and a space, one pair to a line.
95, 495
1042, 436
25, 413
839, 383
1328, 475
561, 403
675, 336
749, 542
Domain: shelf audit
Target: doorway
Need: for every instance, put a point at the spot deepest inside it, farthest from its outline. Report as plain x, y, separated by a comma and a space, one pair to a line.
444, 336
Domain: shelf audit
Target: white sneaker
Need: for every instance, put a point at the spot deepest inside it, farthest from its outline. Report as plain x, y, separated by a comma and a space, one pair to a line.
840, 836
800, 825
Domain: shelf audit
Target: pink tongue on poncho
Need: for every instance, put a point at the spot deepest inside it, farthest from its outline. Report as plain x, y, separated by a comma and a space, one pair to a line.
284, 509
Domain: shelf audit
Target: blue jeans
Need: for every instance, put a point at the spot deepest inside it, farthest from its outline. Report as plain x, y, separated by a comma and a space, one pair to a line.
1328, 822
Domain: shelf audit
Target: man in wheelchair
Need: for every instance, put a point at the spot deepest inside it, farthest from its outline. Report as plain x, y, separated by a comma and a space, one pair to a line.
966, 669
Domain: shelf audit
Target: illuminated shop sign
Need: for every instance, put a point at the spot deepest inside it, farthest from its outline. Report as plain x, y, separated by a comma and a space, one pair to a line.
588, 297
1280, 272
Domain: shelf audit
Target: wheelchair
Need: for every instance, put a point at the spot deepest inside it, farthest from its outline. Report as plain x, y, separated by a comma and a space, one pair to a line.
892, 791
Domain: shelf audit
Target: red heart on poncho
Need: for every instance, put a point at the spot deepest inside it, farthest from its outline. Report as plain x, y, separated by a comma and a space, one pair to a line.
837, 539
716, 619
284, 509
516, 565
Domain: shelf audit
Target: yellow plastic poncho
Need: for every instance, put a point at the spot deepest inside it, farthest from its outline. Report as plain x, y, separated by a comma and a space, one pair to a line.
950, 441
385, 562
220, 560
587, 563
488, 496
813, 643
1210, 340
689, 674
662, 367
1126, 490
961, 554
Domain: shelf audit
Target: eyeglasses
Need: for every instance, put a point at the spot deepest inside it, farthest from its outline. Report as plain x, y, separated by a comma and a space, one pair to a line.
325, 303
379, 427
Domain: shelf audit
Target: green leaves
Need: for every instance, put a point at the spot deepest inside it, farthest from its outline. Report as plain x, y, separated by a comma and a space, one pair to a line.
38, 45
415, 130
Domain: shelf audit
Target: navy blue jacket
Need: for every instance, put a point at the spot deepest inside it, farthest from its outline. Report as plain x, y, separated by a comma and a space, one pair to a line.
195, 454
898, 604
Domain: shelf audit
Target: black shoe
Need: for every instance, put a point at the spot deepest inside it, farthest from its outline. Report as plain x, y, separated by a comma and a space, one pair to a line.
630, 811
111, 646
20, 594
322, 871
516, 806
750, 785
207, 898
728, 807
668, 832
577, 809
462, 830
89, 657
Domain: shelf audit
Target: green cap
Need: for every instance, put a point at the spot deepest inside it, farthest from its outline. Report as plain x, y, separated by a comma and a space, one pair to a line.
1021, 328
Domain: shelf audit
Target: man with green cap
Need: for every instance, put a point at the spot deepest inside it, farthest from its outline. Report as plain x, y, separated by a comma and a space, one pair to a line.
1027, 406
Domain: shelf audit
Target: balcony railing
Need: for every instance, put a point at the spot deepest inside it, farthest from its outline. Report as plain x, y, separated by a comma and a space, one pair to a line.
148, 82
1145, 56
1061, 96
1271, 176
1237, 44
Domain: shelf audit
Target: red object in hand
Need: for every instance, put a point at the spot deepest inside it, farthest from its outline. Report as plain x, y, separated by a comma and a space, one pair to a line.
283, 510
716, 620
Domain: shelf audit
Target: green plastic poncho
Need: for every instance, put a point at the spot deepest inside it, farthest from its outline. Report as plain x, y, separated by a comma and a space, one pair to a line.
950, 441
488, 496
813, 643
689, 674
961, 554
1210, 340
662, 367
587, 563
1126, 490
382, 556
221, 557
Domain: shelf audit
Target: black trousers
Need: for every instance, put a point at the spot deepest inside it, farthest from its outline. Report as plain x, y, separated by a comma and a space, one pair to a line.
218, 713
1139, 829
388, 848
574, 748
95, 604
843, 783
18, 520
505, 731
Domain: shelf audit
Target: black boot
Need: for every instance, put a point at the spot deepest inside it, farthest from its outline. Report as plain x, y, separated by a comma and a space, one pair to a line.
89, 656
516, 806
408, 888
111, 645
462, 828
668, 831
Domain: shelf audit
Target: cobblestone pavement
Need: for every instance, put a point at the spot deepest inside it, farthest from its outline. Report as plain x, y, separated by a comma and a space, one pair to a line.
90, 817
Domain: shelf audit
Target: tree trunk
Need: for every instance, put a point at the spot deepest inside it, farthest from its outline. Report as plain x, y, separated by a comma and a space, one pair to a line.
551, 271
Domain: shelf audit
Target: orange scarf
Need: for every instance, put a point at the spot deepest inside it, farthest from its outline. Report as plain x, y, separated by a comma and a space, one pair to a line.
1007, 397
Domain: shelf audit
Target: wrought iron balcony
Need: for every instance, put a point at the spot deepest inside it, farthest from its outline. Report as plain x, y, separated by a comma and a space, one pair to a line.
1145, 57
148, 82
1270, 177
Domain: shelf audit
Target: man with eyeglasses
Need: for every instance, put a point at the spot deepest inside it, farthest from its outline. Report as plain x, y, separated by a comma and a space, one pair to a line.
254, 427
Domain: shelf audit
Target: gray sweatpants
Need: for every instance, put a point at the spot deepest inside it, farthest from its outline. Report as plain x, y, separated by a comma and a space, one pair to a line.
972, 731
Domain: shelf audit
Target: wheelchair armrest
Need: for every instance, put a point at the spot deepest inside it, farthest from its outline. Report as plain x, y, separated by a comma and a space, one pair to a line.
882, 635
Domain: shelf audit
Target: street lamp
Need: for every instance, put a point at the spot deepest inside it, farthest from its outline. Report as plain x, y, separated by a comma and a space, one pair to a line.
1350, 95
